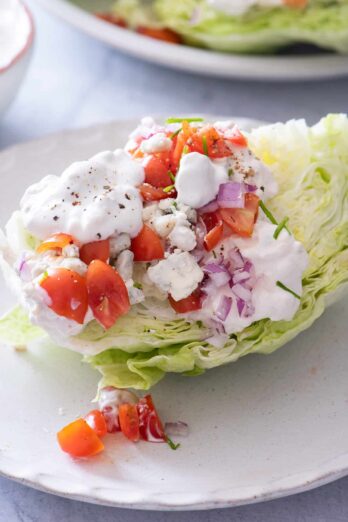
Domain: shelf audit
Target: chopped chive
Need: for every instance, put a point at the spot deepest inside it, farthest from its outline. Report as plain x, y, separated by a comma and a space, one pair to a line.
205, 145
44, 275
168, 189
268, 213
180, 120
138, 285
175, 205
172, 136
171, 175
280, 227
199, 324
214, 254
283, 287
230, 173
185, 150
172, 444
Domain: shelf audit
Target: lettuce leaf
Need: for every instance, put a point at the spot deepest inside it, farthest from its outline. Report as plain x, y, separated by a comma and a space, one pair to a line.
311, 167
260, 30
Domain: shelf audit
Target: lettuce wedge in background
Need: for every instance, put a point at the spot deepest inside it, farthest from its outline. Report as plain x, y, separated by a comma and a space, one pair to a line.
260, 30
311, 167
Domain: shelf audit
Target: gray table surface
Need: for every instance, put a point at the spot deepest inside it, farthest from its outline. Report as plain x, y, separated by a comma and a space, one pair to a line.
75, 81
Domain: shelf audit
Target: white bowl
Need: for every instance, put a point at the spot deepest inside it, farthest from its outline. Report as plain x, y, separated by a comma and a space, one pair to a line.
12, 74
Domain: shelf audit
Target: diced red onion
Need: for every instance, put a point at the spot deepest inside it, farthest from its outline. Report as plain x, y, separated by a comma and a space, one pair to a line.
241, 292
176, 429
240, 277
237, 259
224, 308
231, 195
218, 273
251, 188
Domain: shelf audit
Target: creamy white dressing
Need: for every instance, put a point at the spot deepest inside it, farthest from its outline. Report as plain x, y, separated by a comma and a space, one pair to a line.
156, 143
240, 7
198, 179
14, 30
91, 200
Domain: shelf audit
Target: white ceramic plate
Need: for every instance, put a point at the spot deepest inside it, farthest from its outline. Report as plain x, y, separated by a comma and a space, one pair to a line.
261, 428
281, 67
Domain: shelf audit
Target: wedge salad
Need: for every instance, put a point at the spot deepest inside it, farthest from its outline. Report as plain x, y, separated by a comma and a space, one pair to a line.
194, 245
243, 26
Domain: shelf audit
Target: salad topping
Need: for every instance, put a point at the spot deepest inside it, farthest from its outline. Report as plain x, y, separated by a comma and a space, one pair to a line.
179, 216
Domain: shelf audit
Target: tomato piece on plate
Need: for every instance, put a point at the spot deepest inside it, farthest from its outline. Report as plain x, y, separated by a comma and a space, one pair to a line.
129, 421
166, 35
56, 242
156, 172
150, 193
78, 439
296, 3
150, 425
241, 220
96, 420
68, 293
107, 293
189, 304
208, 141
213, 237
95, 250
147, 245
210, 220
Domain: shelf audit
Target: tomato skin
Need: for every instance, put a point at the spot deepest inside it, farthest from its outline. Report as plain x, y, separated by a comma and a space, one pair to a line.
189, 304
156, 172
56, 242
213, 237
96, 420
129, 421
150, 193
107, 293
95, 250
238, 138
79, 440
68, 293
147, 246
241, 220
166, 35
150, 425
210, 220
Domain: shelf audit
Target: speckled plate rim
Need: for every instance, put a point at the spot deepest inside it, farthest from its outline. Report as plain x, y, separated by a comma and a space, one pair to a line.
283, 68
324, 473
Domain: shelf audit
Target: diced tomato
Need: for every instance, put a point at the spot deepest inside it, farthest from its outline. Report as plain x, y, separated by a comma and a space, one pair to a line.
95, 250
213, 237
296, 3
129, 421
209, 141
78, 439
210, 220
189, 304
96, 420
107, 293
179, 144
166, 35
238, 138
241, 220
147, 246
150, 425
156, 172
56, 242
150, 193
68, 293
115, 20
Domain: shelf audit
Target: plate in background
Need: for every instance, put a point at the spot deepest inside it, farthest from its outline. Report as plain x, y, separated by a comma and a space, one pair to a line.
270, 67
262, 428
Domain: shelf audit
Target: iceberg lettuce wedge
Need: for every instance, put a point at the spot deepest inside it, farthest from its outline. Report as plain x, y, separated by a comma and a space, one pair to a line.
311, 167
260, 30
